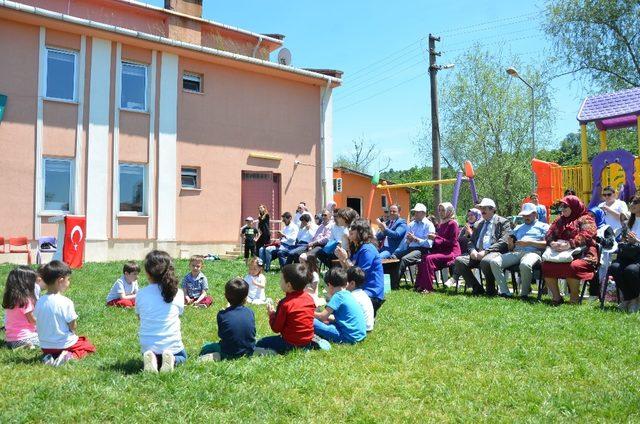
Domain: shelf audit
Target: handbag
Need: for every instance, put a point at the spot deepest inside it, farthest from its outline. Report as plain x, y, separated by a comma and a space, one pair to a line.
330, 247
563, 257
629, 251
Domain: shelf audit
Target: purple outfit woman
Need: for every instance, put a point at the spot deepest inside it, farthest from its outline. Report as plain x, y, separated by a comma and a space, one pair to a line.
444, 251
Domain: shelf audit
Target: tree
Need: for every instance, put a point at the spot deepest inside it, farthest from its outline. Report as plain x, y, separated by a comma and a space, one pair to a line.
599, 38
362, 156
486, 118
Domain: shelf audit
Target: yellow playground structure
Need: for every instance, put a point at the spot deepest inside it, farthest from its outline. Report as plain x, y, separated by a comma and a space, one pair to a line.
616, 168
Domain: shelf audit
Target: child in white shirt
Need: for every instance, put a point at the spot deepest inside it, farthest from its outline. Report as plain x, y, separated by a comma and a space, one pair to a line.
355, 278
56, 318
124, 290
159, 306
256, 281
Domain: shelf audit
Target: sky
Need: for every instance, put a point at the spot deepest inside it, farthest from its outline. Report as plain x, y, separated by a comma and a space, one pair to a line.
381, 48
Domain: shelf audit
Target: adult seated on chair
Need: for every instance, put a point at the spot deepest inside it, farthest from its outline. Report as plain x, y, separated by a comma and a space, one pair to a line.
612, 207
487, 242
287, 235
415, 243
342, 217
526, 244
574, 228
444, 250
625, 270
391, 232
306, 232
320, 238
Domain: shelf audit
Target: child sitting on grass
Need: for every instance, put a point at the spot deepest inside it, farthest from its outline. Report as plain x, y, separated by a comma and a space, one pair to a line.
355, 280
195, 284
293, 318
18, 302
349, 325
56, 319
159, 306
124, 290
236, 326
256, 281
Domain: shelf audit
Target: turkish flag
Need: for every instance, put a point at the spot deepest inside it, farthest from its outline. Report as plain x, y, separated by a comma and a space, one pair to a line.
74, 236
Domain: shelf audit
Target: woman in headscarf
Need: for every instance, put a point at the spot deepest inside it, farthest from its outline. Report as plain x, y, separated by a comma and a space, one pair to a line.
444, 250
474, 216
574, 228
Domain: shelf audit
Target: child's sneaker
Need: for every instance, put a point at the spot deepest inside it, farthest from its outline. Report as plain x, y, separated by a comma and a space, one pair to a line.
63, 358
168, 361
321, 343
150, 361
209, 357
199, 305
48, 360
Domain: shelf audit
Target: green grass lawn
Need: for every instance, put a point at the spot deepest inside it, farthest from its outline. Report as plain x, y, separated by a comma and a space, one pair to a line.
441, 357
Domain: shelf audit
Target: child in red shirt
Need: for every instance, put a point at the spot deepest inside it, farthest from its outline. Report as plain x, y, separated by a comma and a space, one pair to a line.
293, 318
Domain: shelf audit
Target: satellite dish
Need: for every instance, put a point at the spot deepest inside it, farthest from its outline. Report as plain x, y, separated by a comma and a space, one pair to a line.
284, 56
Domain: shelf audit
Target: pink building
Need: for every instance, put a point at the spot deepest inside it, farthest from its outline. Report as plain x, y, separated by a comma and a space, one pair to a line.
163, 128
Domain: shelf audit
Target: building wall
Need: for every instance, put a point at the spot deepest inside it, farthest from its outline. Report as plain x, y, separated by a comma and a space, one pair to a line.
239, 113
355, 185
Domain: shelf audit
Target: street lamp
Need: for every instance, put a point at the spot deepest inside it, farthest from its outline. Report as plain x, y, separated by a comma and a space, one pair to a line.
514, 73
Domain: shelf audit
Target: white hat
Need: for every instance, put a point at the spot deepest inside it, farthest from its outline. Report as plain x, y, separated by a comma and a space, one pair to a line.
528, 209
248, 218
486, 202
419, 207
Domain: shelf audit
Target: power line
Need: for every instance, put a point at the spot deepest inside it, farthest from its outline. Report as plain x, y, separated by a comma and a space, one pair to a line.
387, 57
403, 58
453, 30
421, 74
379, 80
494, 36
491, 44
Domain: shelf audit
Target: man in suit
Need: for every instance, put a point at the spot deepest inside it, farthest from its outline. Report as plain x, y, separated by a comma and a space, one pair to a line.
488, 241
391, 232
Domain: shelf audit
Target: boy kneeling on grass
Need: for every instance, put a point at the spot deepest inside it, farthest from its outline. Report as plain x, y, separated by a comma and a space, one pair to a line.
236, 326
56, 318
293, 318
348, 324
124, 290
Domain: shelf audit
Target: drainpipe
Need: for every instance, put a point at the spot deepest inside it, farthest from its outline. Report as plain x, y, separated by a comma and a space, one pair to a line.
255, 49
323, 159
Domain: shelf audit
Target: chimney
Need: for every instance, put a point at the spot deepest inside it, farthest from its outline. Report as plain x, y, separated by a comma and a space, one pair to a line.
187, 7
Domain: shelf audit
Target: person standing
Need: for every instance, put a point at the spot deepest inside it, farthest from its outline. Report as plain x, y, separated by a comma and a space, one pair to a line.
541, 210
264, 229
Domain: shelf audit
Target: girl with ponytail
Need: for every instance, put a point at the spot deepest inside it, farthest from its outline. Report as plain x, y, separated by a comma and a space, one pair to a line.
159, 306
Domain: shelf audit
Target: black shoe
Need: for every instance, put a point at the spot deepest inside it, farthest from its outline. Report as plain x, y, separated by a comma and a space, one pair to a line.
477, 292
506, 295
492, 293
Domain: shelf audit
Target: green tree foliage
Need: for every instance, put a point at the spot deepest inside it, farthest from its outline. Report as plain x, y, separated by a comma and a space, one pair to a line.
599, 38
486, 117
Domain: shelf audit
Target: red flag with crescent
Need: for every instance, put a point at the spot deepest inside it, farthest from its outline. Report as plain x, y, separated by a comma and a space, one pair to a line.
74, 237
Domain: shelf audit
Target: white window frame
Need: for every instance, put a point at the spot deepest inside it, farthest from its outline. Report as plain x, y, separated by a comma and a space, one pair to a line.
75, 74
192, 75
146, 85
144, 190
197, 176
72, 185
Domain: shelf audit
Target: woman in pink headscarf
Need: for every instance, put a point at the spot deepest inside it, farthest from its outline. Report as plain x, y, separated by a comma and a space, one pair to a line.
444, 251
573, 228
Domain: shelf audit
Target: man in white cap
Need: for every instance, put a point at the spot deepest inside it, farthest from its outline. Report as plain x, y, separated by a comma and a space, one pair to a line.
488, 241
415, 243
526, 244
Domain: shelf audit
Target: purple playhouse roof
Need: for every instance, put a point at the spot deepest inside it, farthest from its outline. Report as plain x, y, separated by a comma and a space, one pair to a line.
611, 110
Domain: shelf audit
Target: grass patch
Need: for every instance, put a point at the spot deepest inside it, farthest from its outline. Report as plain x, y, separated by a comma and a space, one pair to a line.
442, 357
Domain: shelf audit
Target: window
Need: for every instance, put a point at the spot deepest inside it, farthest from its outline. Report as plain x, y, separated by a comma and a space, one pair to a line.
61, 74
355, 203
132, 188
192, 82
384, 201
190, 177
134, 87
58, 177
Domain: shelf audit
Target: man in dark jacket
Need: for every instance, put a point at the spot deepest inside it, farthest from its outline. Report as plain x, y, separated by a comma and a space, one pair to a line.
391, 232
488, 241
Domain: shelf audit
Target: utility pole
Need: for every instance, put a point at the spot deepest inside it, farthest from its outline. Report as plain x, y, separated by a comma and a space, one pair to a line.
435, 123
